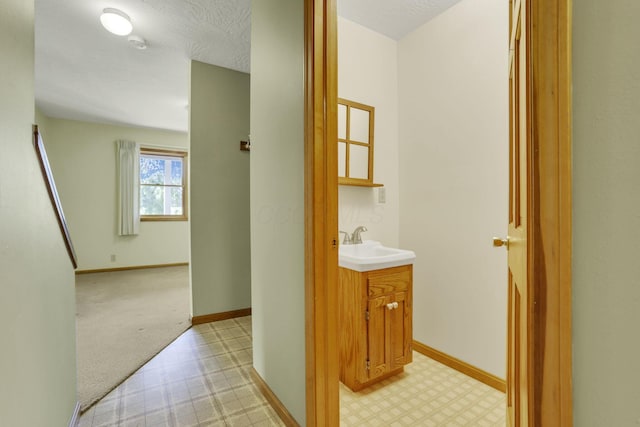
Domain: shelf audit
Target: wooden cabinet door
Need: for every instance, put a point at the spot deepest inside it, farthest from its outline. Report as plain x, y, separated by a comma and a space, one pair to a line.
400, 334
389, 333
378, 331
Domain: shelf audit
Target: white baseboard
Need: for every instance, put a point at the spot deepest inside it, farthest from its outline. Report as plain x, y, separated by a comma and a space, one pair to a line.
75, 417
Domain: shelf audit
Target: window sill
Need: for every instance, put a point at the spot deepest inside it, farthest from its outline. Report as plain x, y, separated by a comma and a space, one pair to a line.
152, 218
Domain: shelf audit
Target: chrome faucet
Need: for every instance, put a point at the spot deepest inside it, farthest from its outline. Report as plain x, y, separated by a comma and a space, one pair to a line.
355, 236
347, 238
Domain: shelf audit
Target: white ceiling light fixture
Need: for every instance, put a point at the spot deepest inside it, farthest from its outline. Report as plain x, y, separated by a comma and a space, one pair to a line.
115, 21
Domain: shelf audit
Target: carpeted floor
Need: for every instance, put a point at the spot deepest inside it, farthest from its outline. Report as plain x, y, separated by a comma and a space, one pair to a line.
123, 319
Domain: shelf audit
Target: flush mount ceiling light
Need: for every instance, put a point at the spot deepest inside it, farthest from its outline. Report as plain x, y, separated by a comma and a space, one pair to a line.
116, 22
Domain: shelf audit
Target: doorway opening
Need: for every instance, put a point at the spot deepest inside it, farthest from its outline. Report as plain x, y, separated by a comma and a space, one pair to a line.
556, 244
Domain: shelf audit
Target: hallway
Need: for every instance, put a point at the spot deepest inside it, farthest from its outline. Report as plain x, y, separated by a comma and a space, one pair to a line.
202, 379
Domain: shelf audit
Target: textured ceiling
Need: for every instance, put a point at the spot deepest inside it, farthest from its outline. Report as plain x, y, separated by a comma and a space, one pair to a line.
82, 72
85, 73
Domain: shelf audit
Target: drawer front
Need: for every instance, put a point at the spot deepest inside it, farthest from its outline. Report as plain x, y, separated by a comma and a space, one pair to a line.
388, 281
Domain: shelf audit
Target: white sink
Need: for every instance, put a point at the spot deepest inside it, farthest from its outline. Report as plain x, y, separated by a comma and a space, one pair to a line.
371, 255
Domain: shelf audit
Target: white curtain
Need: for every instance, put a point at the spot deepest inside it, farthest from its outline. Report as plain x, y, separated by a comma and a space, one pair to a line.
128, 187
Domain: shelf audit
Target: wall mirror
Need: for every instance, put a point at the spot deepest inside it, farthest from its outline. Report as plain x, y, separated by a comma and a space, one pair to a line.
355, 143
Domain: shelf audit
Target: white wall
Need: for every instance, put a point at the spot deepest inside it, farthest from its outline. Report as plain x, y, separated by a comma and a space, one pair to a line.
606, 206
220, 237
83, 160
37, 300
454, 179
277, 199
368, 73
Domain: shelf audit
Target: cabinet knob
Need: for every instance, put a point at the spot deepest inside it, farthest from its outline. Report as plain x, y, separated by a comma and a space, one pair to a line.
392, 305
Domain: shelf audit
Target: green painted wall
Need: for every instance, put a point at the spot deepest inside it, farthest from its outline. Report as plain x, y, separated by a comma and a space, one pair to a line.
220, 243
606, 212
37, 302
277, 199
83, 161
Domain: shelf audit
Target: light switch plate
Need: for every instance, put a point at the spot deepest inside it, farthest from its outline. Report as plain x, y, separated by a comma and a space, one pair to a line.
382, 195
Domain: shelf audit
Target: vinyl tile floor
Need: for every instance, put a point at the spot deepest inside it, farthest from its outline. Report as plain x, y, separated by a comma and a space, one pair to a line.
427, 393
202, 379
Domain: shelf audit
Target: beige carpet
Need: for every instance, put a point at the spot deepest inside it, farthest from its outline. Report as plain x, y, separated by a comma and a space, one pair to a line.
123, 319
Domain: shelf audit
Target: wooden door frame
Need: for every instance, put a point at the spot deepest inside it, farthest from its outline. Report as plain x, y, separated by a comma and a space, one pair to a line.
321, 213
549, 268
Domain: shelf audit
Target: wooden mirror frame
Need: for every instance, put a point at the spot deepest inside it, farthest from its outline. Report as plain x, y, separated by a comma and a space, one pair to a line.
347, 179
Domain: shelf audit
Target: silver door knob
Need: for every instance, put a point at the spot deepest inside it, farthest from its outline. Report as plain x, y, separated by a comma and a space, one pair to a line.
499, 241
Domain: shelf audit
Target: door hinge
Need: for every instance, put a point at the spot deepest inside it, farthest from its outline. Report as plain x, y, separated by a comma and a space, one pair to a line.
368, 365
366, 315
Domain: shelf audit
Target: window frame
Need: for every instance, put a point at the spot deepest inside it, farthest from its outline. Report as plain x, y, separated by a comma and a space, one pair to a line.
148, 151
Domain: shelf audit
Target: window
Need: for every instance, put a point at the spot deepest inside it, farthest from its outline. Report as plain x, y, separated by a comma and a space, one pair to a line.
163, 185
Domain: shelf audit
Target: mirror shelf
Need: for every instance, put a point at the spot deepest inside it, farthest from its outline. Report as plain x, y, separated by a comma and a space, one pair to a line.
357, 182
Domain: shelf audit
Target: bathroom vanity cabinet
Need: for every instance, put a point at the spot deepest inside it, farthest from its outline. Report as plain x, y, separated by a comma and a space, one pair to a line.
375, 324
